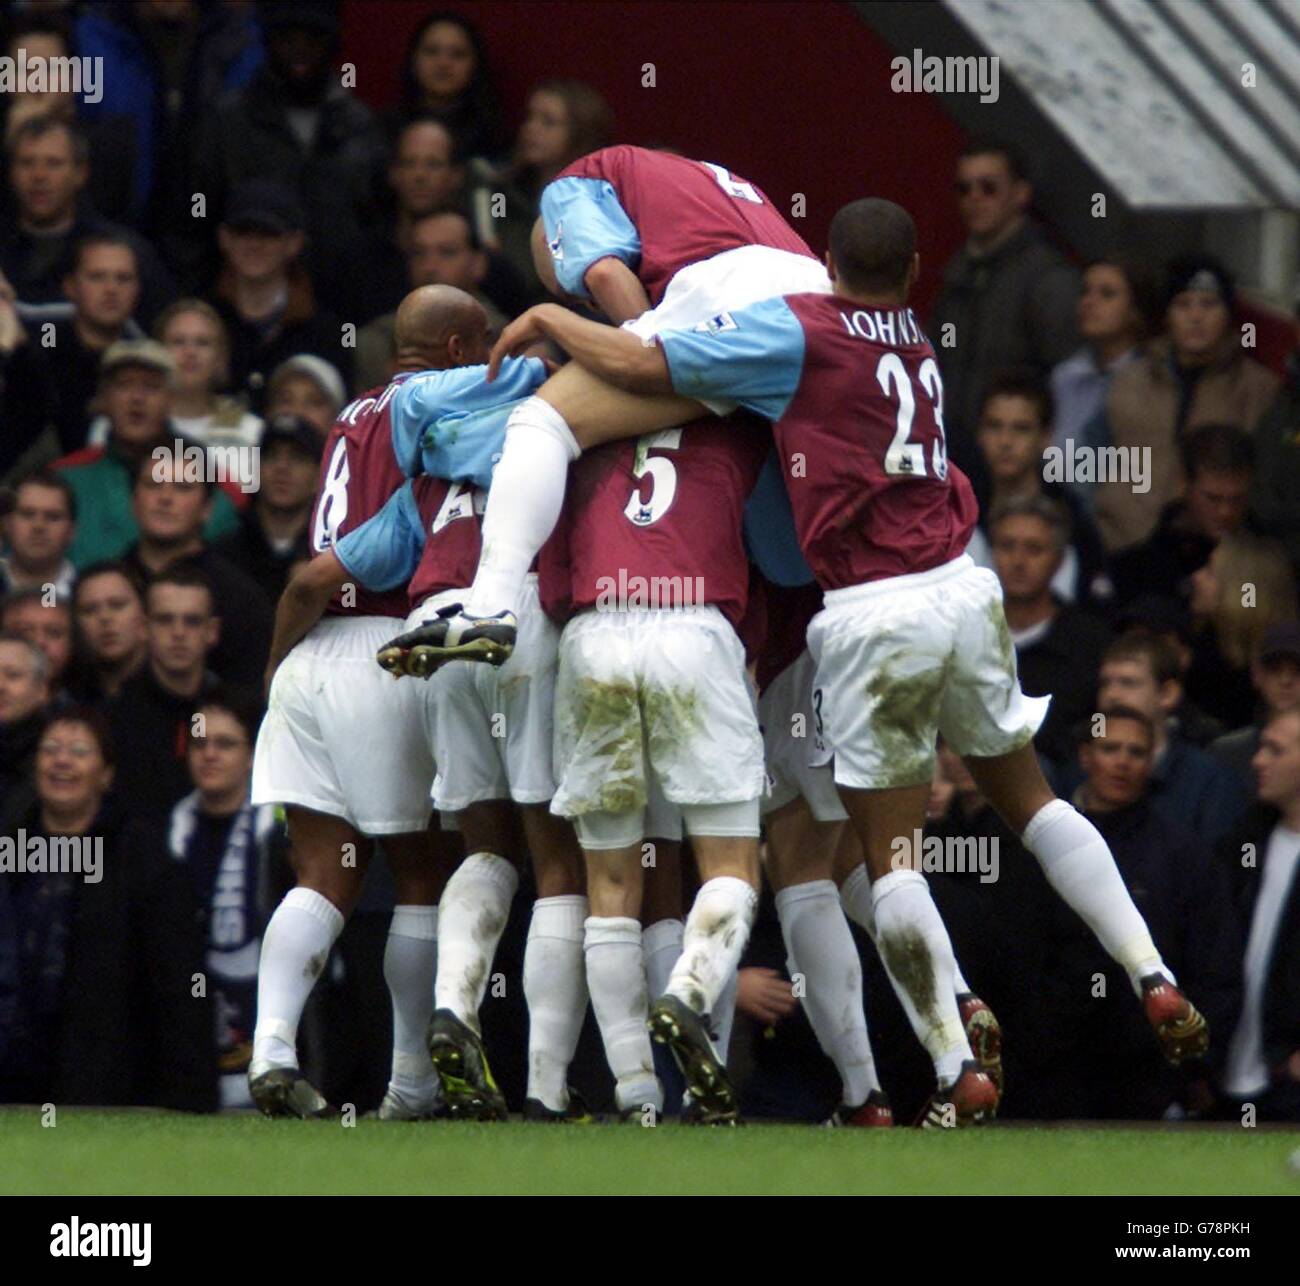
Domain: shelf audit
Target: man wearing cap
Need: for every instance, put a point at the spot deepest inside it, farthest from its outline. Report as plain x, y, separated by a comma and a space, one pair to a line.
264, 294
309, 388
1275, 674
135, 385
1196, 374
272, 533
295, 120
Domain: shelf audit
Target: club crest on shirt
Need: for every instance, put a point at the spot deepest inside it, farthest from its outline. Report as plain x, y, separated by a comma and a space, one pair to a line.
555, 246
723, 321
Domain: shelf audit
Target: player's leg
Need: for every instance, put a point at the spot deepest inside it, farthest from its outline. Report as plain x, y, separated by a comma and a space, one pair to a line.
572, 411
555, 975
1081, 869
661, 907
472, 916
615, 958
421, 864
329, 858
820, 947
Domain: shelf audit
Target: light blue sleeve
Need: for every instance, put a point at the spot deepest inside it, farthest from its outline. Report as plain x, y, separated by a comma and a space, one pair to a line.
451, 424
383, 552
753, 356
769, 529
585, 221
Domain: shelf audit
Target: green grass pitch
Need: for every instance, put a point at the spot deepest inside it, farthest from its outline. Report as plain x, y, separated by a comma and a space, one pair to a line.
151, 1153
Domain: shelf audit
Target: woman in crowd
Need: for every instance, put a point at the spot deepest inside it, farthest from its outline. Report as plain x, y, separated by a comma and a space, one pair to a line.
1246, 586
195, 335
565, 119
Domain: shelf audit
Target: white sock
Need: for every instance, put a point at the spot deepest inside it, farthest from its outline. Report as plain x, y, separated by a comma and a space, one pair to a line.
410, 963
716, 932
555, 986
661, 943
821, 948
295, 947
855, 898
1079, 866
471, 918
917, 955
524, 503
616, 980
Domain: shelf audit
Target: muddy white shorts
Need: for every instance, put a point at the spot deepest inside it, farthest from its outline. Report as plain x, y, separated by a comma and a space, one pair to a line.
794, 744
491, 726
655, 690
340, 736
901, 660
734, 279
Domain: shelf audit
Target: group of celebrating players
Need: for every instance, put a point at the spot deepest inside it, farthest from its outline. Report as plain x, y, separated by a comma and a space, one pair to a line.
709, 572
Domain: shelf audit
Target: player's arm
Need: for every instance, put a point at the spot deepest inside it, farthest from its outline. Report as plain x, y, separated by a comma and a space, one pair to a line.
302, 604
616, 289
595, 247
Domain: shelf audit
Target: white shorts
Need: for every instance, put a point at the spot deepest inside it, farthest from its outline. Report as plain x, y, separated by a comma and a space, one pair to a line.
902, 660
653, 690
340, 737
733, 279
490, 727
798, 759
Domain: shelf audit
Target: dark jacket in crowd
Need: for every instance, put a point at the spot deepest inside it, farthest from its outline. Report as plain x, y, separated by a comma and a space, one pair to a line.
249, 550
1013, 307
246, 611
1220, 688
151, 729
1235, 750
1276, 482
17, 762
249, 137
1064, 663
1192, 789
1163, 564
1114, 1068
1280, 1012
103, 1011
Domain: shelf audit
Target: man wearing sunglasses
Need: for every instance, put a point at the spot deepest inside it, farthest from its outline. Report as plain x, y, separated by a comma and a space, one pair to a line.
1008, 295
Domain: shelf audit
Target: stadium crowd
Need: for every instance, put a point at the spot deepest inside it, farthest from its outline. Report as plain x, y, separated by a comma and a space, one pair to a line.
138, 596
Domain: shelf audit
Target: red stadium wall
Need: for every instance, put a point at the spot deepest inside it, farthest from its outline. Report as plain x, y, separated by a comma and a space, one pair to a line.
794, 96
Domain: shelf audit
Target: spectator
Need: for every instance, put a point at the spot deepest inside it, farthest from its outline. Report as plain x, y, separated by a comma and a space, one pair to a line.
1014, 428
108, 606
1118, 1071
424, 175
1263, 1062
166, 65
1058, 645
24, 695
444, 251
193, 333
112, 151
103, 287
1245, 586
22, 388
1277, 473
46, 623
1197, 374
1275, 674
105, 1012
136, 382
565, 119
273, 533
1217, 462
151, 714
1116, 308
38, 534
264, 295
295, 120
171, 511
48, 173
1009, 296
445, 76
223, 844
1188, 785
309, 388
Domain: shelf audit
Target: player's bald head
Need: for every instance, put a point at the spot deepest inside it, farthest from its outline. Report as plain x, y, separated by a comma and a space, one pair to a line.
542, 260
873, 246
438, 323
